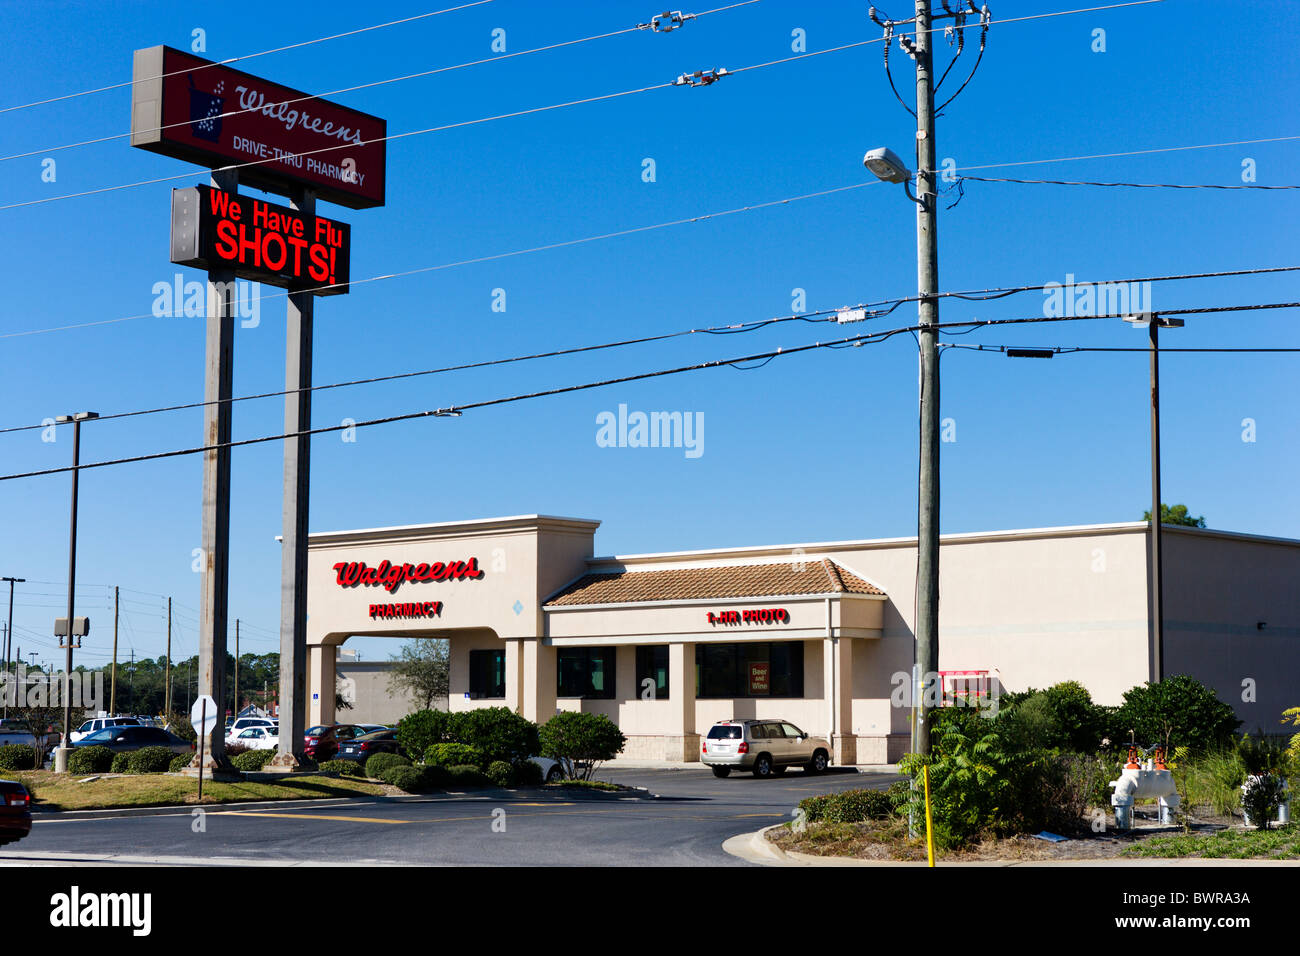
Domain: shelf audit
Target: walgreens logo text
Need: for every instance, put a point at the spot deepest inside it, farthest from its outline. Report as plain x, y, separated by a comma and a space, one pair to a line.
391, 576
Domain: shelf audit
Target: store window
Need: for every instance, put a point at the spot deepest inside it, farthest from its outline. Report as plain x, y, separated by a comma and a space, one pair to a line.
586, 672
652, 672
487, 674
760, 669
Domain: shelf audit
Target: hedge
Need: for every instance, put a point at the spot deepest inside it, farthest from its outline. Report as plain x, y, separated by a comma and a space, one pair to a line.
180, 763
149, 760
467, 776
93, 759
848, 806
344, 768
501, 774
17, 757
376, 764
251, 761
119, 764
452, 755
527, 774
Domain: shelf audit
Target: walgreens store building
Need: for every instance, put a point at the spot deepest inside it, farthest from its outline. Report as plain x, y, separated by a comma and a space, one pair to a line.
818, 634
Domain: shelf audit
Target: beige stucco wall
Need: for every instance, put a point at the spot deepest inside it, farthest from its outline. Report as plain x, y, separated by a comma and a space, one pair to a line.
1218, 589
1033, 607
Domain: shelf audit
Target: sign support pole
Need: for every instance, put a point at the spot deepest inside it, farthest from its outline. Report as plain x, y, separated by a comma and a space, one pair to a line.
293, 550
215, 554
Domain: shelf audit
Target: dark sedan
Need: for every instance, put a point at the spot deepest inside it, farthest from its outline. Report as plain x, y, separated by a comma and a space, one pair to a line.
126, 739
322, 742
15, 812
367, 745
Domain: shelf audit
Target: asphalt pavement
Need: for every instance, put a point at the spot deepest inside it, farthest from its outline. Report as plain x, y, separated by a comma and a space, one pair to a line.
682, 819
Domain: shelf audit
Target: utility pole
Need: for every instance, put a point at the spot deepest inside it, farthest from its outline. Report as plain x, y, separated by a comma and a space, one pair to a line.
167, 672
889, 168
112, 692
927, 278
9, 633
236, 665
61, 755
132, 688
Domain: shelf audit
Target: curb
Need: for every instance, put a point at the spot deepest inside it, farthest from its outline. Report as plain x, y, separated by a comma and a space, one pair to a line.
757, 848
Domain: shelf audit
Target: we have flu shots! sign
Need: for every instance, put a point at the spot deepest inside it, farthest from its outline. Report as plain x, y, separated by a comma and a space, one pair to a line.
260, 241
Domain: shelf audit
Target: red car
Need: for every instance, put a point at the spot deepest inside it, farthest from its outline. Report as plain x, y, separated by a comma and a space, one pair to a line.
322, 741
15, 812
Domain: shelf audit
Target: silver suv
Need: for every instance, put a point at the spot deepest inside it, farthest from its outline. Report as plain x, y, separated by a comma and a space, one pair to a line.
765, 747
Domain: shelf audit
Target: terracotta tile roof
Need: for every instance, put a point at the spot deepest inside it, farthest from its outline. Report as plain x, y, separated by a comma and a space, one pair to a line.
818, 576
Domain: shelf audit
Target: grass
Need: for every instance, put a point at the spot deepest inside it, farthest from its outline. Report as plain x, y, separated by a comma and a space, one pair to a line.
1278, 843
53, 791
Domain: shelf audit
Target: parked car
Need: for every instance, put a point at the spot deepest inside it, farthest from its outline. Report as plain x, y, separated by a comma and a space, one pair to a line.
552, 770
16, 735
96, 724
15, 811
124, 739
382, 741
240, 724
764, 747
322, 741
256, 738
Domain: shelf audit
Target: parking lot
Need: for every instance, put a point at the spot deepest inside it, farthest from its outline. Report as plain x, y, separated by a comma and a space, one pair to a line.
684, 823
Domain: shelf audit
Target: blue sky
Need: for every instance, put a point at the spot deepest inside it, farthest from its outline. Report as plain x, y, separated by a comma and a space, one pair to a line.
810, 447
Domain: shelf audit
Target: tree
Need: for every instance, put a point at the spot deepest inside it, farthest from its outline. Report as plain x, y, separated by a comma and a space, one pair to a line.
1178, 710
1177, 515
580, 741
422, 671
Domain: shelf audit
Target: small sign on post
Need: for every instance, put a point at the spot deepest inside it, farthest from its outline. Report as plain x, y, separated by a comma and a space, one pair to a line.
203, 717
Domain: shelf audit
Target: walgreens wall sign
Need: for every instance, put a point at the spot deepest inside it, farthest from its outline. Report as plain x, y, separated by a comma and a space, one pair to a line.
391, 576
204, 113
260, 241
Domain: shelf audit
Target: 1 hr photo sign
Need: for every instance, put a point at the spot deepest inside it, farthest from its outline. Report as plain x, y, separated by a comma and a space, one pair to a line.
280, 138
213, 229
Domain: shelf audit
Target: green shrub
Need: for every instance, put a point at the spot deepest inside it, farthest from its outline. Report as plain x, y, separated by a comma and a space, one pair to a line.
498, 732
407, 778
847, 806
527, 774
87, 760
501, 774
252, 761
180, 762
418, 731
344, 768
1178, 711
450, 755
1062, 717
18, 757
376, 764
1260, 798
434, 778
467, 776
120, 764
582, 739
149, 760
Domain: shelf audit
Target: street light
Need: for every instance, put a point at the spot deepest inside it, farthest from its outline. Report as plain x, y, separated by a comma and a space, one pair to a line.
9, 635
1153, 322
61, 754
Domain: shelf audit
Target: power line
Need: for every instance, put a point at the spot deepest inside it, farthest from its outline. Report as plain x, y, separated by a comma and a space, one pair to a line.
831, 315
488, 119
1064, 182
1070, 349
713, 330
361, 86
476, 260
246, 56
454, 411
